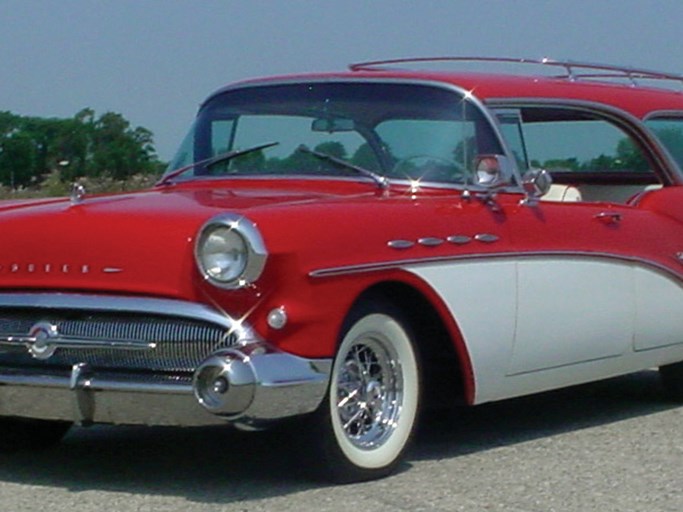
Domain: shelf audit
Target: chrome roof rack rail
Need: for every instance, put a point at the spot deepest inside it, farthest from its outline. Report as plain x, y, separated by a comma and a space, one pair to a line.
573, 70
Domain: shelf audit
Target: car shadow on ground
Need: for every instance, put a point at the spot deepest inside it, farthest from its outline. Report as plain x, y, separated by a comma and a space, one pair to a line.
465, 430
222, 465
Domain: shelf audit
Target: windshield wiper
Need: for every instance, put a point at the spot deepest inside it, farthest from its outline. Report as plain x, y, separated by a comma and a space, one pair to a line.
214, 160
381, 181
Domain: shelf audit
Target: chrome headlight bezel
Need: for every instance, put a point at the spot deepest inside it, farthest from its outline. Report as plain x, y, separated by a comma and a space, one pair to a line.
251, 241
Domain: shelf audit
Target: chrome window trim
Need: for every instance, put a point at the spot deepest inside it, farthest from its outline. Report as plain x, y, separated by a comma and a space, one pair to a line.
663, 114
666, 169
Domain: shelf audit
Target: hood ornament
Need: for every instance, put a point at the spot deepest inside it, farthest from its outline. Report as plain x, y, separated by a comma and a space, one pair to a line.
77, 193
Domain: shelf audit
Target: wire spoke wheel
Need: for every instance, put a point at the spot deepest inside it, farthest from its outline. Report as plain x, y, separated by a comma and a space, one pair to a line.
371, 410
369, 393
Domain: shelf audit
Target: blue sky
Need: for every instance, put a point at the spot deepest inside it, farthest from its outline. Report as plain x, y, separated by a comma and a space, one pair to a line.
155, 60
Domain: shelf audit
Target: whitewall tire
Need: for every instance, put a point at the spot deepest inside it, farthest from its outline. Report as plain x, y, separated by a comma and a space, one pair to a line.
372, 405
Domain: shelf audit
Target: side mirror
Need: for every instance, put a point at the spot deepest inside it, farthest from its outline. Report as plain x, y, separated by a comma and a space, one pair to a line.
536, 183
492, 171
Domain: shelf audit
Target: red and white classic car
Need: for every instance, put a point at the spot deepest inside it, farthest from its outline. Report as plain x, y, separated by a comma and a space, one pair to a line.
343, 249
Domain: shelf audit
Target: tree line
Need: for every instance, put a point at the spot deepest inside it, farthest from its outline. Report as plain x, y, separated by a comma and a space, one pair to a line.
86, 145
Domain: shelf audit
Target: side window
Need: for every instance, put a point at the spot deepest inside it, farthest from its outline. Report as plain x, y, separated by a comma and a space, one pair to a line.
579, 149
669, 131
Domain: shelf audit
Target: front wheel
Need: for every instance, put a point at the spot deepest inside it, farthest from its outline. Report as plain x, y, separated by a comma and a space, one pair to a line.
370, 412
29, 434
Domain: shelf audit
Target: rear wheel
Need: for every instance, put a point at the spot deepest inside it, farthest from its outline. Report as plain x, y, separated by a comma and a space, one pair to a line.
369, 415
28, 434
672, 379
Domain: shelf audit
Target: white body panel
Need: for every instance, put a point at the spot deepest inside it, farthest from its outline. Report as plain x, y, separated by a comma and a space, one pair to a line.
570, 311
478, 296
574, 320
659, 302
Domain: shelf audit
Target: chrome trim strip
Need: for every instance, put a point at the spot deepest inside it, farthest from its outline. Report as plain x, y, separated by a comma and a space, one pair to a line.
399, 264
68, 342
663, 114
109, 303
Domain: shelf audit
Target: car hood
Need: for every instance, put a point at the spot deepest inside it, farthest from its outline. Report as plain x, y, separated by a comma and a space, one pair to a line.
138, 243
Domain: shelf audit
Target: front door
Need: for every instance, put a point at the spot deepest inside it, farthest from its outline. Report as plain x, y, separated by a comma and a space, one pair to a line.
595, 264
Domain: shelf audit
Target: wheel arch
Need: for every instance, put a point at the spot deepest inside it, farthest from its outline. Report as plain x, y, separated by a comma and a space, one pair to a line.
442, 348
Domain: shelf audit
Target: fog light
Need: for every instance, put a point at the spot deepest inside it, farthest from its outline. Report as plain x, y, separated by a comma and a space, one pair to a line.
277, 318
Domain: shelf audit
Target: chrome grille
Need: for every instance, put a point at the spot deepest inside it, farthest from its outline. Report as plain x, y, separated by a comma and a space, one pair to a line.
180, 343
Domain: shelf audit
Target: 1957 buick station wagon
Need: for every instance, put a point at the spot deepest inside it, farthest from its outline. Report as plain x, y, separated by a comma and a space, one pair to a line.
342, 249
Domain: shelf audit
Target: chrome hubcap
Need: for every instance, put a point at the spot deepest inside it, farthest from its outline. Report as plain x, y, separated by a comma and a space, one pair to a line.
369, 393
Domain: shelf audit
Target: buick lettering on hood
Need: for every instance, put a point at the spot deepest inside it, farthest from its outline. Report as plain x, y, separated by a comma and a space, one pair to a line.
341, 251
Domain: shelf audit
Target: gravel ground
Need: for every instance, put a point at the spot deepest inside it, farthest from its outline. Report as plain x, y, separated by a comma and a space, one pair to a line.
611, 446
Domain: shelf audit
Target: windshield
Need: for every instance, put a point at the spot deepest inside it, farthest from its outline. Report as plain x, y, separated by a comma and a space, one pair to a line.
398, 131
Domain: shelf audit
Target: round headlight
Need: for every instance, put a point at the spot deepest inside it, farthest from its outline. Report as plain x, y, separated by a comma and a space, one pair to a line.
229, 251
223, 255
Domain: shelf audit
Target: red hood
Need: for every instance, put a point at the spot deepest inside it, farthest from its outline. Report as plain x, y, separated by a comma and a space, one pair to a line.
131, 243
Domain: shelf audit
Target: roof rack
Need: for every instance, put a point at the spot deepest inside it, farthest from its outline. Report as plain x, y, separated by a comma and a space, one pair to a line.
573, 70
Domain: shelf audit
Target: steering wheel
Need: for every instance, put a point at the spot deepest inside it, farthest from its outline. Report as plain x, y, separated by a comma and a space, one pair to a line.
429, 168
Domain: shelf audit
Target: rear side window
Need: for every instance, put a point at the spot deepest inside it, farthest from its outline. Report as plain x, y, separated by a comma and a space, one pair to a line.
669, 131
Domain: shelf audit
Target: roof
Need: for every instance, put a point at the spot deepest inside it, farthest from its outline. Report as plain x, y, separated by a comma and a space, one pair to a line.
610, 85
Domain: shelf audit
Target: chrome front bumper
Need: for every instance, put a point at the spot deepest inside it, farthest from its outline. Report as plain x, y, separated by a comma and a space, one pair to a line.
249, 384
267, 387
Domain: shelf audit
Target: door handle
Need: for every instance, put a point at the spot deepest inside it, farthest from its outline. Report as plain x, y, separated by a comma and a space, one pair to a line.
608, 217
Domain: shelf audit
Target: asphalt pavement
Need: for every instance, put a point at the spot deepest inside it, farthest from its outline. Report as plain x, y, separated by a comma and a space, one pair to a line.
616, 445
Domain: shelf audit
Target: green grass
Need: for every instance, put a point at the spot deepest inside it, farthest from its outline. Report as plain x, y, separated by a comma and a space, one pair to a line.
53, 186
